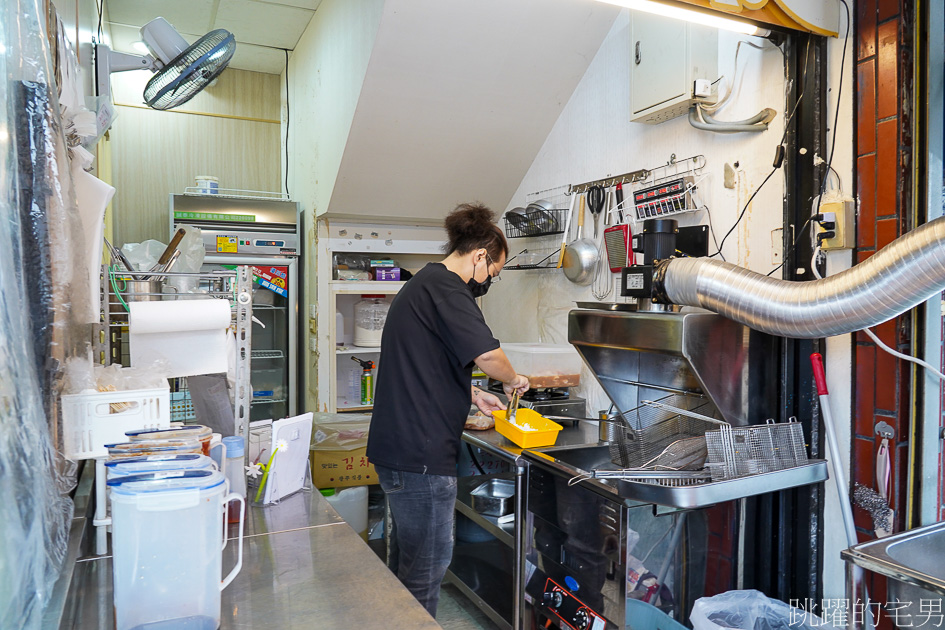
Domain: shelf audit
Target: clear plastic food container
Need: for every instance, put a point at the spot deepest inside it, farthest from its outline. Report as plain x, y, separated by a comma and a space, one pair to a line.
545, 364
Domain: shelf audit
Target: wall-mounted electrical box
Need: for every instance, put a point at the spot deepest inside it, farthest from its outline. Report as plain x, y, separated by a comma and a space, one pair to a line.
838, 233
667, 58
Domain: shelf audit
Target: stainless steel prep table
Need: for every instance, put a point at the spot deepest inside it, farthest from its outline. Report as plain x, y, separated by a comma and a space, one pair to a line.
303, 567
580, 433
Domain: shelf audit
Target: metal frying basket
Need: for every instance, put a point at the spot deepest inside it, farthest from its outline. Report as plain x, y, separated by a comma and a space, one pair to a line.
653, 435
740, 451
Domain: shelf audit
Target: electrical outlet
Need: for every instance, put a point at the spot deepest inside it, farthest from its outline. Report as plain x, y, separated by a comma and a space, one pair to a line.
313, 311
313, 344
844, 216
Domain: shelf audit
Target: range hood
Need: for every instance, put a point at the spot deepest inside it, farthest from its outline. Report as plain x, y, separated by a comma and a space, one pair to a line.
649, 355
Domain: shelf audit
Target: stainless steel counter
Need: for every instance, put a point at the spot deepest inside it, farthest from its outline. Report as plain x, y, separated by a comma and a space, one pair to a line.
493, 442
303, 567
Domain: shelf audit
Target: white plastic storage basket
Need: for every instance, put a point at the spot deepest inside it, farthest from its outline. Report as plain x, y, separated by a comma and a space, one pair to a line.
90, 421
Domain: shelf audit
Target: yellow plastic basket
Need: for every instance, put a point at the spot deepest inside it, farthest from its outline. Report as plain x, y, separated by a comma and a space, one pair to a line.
544, 432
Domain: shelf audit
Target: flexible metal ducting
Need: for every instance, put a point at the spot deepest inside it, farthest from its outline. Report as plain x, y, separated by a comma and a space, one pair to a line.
898, 277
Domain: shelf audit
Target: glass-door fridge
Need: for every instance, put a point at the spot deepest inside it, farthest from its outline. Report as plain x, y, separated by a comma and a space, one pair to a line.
265, 235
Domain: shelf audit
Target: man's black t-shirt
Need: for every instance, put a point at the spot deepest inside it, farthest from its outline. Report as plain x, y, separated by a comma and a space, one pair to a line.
434, 331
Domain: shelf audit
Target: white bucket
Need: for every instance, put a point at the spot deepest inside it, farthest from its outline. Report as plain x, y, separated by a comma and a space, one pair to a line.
167, 542
352, 505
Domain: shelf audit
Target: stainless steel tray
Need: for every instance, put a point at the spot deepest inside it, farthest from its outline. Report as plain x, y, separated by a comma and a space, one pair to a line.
577, 463
913, 557
495, 497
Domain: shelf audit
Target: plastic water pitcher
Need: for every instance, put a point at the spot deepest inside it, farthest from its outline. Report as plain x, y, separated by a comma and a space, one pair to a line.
167, 541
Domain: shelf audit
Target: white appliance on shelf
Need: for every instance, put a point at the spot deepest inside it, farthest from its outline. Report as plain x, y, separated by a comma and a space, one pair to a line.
263, 233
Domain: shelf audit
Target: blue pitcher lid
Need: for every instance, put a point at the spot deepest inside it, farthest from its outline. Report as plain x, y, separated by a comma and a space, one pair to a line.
183, 432
150, 463
167, 481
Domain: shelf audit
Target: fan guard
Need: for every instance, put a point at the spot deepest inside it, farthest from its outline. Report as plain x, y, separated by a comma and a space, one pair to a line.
191, 71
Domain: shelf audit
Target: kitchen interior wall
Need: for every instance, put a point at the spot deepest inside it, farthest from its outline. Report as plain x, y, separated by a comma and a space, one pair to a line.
231, 131
593, 139
326, 71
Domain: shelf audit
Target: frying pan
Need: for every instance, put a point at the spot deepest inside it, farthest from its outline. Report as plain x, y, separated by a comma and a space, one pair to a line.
580, 256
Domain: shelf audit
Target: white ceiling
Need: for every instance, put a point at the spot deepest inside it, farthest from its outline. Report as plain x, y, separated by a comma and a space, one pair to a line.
459, 97
262, 28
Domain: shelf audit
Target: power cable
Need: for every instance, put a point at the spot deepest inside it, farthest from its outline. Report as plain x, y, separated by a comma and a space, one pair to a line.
286, 51
787, 125
836, 118
836, 115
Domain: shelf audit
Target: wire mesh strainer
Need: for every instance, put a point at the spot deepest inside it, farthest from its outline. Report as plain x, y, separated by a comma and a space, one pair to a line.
740, 451
653, 436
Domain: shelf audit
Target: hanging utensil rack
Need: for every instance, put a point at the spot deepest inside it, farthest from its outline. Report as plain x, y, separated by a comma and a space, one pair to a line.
607, 182
537, 223
544, 259
668, 189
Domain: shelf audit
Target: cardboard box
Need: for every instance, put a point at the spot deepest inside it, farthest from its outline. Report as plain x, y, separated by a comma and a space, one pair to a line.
339, 442
342, 469
383, 274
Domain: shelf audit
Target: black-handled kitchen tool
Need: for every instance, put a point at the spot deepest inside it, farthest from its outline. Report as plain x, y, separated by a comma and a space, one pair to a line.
618, 195
595, 203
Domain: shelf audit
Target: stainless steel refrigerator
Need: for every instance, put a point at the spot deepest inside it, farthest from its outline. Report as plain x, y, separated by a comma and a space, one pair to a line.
264, 233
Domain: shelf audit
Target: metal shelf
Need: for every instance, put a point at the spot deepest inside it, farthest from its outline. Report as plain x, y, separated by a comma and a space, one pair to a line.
267, 401
268, 354
503, 533
366, 286
353, 350
482, 572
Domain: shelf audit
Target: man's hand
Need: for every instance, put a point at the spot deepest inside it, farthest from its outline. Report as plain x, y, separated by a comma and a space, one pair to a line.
487, 402
519, 384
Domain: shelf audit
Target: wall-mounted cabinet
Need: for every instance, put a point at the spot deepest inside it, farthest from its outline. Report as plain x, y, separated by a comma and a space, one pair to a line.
666, 57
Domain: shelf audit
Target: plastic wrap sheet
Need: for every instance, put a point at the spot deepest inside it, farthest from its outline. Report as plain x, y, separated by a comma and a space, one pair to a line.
39, 243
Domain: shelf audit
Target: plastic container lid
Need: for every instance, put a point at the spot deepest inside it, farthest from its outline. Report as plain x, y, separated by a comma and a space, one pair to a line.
327, 492
167, 481
157, 463
235, 446
185, 432
124, 450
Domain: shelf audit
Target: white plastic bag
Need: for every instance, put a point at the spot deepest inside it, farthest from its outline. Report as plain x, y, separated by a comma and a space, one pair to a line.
750, 610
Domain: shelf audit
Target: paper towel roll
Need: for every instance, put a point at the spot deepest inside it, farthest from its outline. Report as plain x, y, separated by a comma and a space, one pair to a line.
178, 316
190, 335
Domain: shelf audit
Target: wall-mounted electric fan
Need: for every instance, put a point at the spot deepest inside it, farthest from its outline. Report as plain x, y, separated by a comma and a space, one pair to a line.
182, 70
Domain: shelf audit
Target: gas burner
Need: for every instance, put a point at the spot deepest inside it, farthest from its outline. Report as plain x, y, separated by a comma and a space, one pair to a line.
536, 395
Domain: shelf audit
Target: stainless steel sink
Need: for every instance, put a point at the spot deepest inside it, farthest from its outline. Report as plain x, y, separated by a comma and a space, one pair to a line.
575, 462
915, 557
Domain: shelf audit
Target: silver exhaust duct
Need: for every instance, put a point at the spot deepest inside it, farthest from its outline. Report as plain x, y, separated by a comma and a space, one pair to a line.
898, 277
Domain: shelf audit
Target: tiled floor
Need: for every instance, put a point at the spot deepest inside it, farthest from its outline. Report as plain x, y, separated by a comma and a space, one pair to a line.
456, 612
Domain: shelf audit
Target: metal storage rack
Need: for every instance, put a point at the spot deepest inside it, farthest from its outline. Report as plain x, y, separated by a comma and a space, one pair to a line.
234, 285
470, 558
